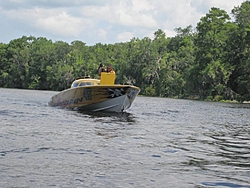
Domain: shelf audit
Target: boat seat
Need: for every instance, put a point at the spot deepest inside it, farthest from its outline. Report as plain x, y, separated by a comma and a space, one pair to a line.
107, 78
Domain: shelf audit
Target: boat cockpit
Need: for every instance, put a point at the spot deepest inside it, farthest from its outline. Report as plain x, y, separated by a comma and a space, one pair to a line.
85, 82
106, 79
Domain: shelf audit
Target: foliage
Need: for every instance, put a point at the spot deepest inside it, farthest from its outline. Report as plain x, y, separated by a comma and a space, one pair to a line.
211, 61
238, 52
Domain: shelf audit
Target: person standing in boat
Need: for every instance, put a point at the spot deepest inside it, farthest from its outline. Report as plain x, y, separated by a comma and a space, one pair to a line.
109, 69
101, 69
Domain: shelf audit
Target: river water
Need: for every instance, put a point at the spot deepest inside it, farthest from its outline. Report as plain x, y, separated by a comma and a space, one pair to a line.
158, 142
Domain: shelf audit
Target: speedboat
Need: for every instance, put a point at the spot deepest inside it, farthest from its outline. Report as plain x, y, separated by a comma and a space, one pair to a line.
87, 94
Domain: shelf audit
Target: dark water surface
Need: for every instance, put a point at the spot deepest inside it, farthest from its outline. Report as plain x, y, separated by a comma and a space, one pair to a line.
159, 142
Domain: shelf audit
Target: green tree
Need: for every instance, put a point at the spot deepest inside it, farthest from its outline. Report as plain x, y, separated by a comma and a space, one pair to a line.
238, 52
43, 54
211, 71
77, 58
4, 68
18, 61
179, 61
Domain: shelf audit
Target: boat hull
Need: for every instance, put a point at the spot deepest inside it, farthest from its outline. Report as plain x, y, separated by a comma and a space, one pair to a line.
115, 98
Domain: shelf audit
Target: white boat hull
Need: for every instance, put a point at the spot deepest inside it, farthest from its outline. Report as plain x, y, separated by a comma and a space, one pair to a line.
118, 104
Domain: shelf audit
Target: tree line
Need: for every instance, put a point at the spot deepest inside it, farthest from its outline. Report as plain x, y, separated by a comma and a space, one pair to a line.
209, 62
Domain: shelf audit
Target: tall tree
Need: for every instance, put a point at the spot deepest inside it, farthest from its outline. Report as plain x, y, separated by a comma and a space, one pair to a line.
18, 55
77, 58
4, 67
238, 52
212, 73
42, 55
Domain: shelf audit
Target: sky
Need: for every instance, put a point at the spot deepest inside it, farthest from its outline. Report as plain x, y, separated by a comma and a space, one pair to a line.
101, 21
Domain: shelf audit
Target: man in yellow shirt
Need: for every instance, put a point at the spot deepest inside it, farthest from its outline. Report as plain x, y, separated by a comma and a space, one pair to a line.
109, 69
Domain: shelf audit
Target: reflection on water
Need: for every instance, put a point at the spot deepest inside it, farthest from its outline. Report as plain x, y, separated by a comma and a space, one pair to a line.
116, 117
109, 124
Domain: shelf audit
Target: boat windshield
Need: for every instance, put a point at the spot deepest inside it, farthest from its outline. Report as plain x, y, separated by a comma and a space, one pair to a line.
77, 84
74, 85
86, 84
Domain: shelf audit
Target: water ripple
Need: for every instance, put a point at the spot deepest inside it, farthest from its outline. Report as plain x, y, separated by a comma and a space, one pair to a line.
158, 142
